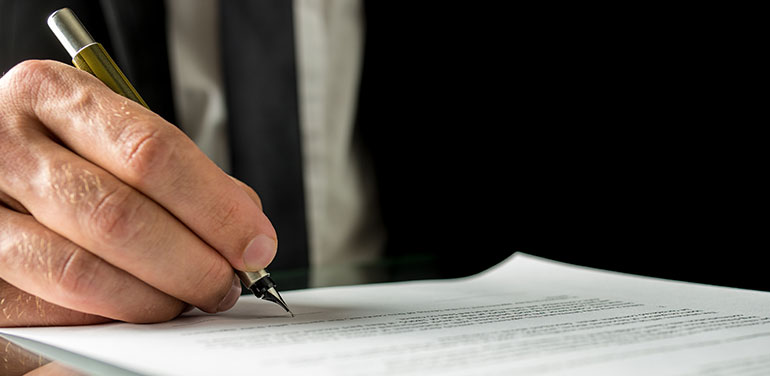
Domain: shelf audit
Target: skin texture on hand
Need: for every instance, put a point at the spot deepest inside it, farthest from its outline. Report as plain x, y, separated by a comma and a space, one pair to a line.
110, 212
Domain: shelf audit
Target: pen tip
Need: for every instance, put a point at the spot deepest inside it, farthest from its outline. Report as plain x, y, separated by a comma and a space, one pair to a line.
272, 295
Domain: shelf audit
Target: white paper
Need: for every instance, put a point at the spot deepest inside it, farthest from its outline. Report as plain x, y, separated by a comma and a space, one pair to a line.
527, 316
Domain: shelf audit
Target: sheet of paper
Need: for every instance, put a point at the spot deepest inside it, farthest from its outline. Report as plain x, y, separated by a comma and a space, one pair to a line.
527, 316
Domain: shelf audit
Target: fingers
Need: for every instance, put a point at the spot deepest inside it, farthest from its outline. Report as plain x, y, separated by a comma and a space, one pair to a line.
64, 284
113, 221
10, 203
249, 191
18, 308
147, 153
85, 203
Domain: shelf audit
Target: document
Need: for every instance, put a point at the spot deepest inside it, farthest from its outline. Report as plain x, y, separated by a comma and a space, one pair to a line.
526, 316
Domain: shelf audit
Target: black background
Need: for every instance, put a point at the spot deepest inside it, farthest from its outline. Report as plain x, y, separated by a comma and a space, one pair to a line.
606, 137
614, 137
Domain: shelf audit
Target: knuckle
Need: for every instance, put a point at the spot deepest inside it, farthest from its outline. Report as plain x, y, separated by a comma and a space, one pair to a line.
226, 216
10, 255
76, 278
114, 218
24, 249
70, 183
146, 150
26, 79
213, 284
28, 71
105, 209
82, 99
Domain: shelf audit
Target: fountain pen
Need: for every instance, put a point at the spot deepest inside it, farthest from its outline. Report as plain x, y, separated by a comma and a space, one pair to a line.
90, 56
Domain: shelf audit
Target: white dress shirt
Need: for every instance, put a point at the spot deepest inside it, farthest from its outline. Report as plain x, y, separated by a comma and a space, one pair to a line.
344, 225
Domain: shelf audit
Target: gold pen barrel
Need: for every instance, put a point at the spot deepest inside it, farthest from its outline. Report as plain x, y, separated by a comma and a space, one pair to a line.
88, 55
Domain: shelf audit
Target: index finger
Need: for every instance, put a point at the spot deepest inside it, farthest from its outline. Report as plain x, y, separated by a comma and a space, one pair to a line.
150, 154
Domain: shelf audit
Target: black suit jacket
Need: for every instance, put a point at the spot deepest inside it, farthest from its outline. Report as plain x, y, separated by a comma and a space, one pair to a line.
570, 134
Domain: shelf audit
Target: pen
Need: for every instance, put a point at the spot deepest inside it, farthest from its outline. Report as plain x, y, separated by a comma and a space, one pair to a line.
90, 56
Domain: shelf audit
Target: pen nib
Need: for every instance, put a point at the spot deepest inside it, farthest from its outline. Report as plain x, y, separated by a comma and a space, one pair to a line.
272, 295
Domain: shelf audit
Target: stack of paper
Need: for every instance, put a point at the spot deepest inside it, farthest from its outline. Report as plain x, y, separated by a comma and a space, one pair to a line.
526, 316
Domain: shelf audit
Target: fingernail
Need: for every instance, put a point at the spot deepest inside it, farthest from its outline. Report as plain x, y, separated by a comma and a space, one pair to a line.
259, 253
232, 296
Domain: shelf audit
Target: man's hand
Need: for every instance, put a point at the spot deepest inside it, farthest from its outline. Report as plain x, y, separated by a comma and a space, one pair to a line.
109, 212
